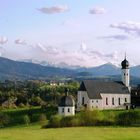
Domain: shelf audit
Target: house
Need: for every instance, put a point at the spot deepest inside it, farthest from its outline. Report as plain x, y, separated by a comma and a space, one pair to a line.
66, 106
105, 95
135, 96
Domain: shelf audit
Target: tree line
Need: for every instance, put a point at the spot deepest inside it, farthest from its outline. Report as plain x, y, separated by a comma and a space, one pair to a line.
33, 93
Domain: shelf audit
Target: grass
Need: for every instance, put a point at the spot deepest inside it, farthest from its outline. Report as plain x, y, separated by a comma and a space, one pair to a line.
74, 133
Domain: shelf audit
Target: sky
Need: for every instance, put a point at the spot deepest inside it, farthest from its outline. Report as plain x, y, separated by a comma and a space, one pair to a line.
75, 32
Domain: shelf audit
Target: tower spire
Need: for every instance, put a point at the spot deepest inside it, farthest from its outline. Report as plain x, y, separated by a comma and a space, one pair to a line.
66, 91
125, 72
125, 55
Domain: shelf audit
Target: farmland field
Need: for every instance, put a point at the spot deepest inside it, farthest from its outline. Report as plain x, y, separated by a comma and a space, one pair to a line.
74, 133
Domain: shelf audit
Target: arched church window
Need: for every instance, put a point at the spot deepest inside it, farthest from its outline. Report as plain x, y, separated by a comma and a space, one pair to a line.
83, 100
106, 101
119, 101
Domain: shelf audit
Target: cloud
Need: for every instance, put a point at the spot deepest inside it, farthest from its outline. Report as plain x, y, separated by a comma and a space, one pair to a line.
54, 9
97, 10
44, 49
128, 27
82, 56
115, 37
20, 41
52, 50
83, 46
41, 46
3, 40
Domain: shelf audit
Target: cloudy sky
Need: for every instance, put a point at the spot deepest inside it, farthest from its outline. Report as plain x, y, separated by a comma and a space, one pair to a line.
76, 32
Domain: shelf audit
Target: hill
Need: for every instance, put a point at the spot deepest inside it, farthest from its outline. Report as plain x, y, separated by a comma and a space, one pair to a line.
10, 69
106, 69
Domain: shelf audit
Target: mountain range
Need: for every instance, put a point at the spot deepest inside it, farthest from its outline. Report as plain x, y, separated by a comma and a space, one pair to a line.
10, 69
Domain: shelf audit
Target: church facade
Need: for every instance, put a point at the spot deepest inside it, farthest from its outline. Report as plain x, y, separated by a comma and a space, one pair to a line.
105, 95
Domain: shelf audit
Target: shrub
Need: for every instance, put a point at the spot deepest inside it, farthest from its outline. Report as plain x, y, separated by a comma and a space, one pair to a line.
55, 121
75, 121
66, 121
109, 118
128, 118
43, 120
4, 119
26, 119
89, 118
21, 105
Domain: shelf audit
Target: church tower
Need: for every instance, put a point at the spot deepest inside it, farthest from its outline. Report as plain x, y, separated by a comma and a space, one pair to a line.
66, 106
125, 72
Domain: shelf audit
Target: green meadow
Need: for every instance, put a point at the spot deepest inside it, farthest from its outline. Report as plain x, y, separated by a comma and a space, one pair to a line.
71, 133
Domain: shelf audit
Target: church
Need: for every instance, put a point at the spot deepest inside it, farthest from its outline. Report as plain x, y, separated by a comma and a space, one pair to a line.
95, 94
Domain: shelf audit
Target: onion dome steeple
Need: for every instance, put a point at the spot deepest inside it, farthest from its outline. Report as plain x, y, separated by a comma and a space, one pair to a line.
125, 63
67, 100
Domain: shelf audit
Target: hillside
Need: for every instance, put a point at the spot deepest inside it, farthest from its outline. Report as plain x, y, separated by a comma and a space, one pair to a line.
106, 69
10, 69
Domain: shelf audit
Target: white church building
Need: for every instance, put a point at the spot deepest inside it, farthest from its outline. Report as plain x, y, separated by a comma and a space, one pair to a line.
105, 94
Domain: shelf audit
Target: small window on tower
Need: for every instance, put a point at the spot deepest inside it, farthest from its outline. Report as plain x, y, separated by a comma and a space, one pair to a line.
62, 110
125, 99
124, 74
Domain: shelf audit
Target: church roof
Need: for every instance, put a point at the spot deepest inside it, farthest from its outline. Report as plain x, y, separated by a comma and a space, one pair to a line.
95, 87
125, 64
67, 100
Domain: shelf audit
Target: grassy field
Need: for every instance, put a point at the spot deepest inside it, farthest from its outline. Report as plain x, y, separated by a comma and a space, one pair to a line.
75, 133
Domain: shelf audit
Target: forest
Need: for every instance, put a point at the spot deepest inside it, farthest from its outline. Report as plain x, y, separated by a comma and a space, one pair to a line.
22, 94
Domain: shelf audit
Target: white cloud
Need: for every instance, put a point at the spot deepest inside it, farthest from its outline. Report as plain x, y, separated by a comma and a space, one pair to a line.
52, 50
83, 46
3, 40
128, 27
20, 41
83, 56
54, 9
97, 10
115, 37
41, 46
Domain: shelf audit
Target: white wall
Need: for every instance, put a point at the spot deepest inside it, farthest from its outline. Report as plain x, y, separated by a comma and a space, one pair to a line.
101, 103
80, 95
65, 112
91, 103
95, 104
116, 100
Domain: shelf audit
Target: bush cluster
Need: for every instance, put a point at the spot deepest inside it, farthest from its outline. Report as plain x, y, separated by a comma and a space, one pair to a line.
4, 119
25, 116
96, 118
84, 118
128, 118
